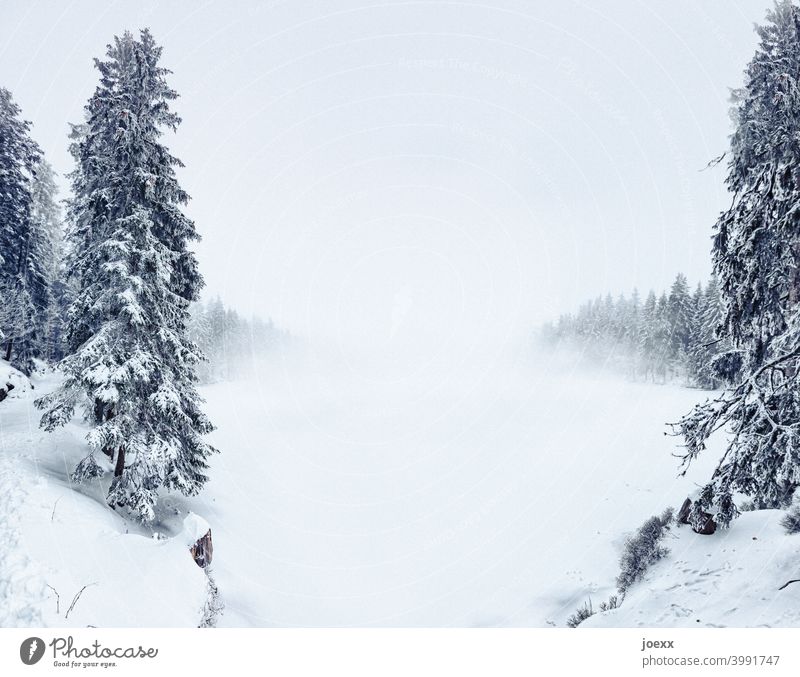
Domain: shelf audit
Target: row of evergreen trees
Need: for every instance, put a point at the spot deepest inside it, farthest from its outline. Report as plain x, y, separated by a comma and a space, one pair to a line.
110, 297
230, 341
663, 337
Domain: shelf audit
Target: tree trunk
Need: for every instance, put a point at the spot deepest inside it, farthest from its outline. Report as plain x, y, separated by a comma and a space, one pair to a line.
120, 462
203, 550
8, 349
98, 411
109, 414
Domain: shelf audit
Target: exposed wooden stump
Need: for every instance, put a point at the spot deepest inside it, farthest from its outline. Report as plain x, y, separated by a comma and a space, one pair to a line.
203, 550
197, 534
683, 513
4, 391
708, 525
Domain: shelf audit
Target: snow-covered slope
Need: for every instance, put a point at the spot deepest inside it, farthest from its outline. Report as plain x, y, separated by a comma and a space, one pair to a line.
500, 497
57, 540
473, 495
12, 377
730, 578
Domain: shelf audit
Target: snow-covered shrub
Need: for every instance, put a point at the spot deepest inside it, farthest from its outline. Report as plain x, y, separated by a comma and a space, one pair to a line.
214, 605
585, 611
581, 614
791, 520
612, 603
747, 506
643, 549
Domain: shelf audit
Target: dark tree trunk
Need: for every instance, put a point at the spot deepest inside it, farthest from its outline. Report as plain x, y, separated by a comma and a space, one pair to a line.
9, 346
203, 550
109, 414
98, 411
120, 462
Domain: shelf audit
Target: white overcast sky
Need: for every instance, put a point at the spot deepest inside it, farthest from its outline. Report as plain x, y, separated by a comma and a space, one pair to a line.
421, 169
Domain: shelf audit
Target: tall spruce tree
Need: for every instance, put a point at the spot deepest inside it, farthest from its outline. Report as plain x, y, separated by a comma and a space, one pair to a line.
756, 255
23, 289
707, 344
679, 317
694, 355
47, 262
647, 336
129, 361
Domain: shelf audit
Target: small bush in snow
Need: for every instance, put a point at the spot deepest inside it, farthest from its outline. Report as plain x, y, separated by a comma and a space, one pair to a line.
587, 610
214, 605
612, 603
581, 614
747, 506
643, 549
791, 520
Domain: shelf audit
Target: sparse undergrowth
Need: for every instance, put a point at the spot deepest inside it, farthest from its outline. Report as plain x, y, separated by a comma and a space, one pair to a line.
584, 612
214, 605
791, 520
642, 550
581, 614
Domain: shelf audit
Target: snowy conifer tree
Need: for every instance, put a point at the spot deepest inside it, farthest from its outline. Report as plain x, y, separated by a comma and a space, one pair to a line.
662, 338
679, 317
24, 285
129, 362
705, 343
47, 227
756, 252
647, 339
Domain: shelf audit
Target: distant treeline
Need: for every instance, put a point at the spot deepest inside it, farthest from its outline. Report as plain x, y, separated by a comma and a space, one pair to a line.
670, 336
228, 340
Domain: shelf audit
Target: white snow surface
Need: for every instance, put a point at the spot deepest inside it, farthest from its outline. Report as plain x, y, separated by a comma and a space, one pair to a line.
729, 579
62, 544
194, 528
9, 375
458, 495
349, 495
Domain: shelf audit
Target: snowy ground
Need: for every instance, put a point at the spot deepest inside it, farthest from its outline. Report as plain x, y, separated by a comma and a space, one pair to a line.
497, 495
56, 539
349, 494
730, 579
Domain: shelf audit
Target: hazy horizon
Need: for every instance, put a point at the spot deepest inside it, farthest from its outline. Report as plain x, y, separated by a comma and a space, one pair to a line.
401, 174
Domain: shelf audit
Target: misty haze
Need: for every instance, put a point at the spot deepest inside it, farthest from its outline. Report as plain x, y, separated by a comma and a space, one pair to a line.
354, 314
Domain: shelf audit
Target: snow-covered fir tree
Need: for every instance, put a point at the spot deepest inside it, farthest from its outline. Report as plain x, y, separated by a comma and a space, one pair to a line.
129, 362
26, 244
694, 354
48, 225
230, 341
756, 255
679, 320
705, 342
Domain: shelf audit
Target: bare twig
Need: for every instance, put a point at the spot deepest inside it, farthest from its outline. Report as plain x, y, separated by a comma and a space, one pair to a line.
58, 598
714, 162
794, 580
55, 505
76, 598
